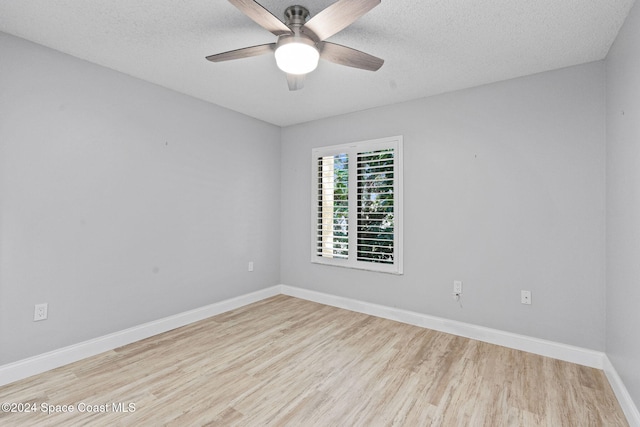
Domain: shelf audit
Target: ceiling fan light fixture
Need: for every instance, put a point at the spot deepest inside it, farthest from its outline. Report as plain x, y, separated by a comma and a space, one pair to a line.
296, 54
301, 38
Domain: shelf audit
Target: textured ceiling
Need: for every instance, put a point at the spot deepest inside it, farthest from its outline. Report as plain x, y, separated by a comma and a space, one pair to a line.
429, 47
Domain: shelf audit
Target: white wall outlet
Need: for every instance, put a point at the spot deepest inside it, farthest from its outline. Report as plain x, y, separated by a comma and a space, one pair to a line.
457, 287
40, 312
250, 268
525, 297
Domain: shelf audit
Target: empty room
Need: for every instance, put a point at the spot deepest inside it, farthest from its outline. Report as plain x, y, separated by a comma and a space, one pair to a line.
328, 213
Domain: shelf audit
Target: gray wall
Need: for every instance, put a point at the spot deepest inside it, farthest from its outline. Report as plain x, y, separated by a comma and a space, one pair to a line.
504, 190
623, 204
122, 202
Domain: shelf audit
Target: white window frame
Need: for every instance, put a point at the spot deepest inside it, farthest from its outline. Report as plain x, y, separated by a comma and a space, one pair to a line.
352, 150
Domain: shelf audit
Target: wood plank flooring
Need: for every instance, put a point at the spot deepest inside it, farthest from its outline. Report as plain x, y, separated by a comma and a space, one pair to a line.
286, 361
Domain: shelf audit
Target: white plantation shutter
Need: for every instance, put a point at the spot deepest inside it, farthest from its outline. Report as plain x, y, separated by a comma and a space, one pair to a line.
357, 205
376, 191
332, 237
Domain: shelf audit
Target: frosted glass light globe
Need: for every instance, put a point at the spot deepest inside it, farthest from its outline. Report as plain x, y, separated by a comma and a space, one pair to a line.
297, 58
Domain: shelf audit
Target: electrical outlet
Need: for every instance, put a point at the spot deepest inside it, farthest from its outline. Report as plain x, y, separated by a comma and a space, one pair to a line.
525, 297
40, 312
250, 268
457, 287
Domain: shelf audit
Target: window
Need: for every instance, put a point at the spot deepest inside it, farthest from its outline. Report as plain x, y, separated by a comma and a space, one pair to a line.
357, 205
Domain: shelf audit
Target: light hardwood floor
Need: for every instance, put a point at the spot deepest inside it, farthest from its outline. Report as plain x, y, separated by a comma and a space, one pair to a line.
286, 361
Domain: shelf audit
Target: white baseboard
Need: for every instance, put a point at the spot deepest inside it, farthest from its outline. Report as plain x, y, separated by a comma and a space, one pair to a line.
624, 398
53, 359
578, 355
34, 365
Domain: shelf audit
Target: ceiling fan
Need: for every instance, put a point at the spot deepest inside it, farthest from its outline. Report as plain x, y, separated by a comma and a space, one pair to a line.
301, 41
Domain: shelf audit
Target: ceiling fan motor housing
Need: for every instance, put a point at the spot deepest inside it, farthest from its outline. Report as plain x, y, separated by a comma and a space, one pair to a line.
296, 45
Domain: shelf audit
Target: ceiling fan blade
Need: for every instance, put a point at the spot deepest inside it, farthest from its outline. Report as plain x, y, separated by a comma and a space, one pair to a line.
337, 17
261, 16
295, 81
245, 52
350, 57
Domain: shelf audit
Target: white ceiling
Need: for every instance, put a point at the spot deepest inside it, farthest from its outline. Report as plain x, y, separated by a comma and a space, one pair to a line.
429, 47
